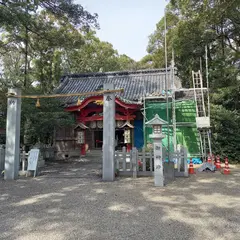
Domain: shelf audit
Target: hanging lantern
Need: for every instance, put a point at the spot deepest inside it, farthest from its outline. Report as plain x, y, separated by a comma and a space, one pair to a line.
127, 136
80, 137
119, 123
100, 124
93, 124
38, 103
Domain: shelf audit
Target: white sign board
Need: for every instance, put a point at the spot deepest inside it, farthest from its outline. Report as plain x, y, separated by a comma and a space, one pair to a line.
80, 137
33, 160
203, 122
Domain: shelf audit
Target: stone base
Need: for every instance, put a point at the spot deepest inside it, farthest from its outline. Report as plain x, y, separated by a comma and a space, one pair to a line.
22, 173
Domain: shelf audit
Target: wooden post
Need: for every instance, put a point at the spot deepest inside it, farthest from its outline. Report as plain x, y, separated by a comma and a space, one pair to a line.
117, 157
151, 161
185, 163
131, 161
144, 159
23, 160
124, 158
134, 162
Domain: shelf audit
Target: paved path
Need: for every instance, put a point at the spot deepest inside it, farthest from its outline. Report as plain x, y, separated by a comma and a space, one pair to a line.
69, 201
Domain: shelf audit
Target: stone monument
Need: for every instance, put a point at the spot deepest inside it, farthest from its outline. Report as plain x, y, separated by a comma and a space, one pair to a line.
157, 137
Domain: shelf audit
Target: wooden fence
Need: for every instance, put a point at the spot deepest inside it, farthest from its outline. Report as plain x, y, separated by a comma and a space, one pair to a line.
141, 163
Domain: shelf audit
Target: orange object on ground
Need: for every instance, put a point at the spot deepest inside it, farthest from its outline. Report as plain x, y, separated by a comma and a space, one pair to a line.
226, 168
191, 169
209, 160
218, 163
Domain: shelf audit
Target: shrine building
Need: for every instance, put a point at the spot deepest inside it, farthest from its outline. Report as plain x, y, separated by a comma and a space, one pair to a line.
133, 108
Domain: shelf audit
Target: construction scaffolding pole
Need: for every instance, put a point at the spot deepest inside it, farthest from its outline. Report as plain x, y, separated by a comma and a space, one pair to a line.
174, 106
166, 83
144, 121
207, 79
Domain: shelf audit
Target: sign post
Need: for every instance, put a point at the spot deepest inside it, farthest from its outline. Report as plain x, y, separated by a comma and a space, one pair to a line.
12, 151
108, 166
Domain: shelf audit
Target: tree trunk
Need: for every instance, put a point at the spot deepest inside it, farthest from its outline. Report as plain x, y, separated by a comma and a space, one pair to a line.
26, 58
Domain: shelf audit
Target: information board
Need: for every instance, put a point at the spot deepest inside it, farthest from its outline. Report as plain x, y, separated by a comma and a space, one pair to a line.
33, 160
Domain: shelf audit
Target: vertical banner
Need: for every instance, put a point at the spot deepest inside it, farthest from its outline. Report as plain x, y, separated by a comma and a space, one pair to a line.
108, 166
158, 165
12, 151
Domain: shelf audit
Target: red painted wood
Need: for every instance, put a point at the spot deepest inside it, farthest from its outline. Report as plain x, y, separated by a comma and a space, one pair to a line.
83, 146
100, 118
83, 150
129, 147
86, 111
91, 99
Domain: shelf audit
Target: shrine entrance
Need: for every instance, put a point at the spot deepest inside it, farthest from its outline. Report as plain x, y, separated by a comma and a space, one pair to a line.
13, 129
89, 117
98, 139
119, 138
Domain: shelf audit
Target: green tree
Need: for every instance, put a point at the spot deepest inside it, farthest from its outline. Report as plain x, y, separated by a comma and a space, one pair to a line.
40, 47
192, 25
20, 18
38, 123
31, 51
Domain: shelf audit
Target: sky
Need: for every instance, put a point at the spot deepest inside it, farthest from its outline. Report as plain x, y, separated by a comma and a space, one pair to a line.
126, 24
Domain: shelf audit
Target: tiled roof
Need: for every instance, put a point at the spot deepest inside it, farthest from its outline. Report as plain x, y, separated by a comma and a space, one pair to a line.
136, 84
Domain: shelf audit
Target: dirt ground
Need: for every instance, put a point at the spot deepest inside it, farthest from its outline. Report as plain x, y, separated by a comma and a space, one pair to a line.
70, 201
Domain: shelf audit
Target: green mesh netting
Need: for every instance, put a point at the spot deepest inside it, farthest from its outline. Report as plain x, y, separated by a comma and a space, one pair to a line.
186, 135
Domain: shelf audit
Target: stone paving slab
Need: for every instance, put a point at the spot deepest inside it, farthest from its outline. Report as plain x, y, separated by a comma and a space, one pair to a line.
70, 201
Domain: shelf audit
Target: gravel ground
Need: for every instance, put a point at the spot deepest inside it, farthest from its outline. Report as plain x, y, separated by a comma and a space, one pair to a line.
69, 201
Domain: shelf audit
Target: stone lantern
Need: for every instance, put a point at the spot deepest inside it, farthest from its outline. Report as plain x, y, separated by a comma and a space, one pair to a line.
156, 123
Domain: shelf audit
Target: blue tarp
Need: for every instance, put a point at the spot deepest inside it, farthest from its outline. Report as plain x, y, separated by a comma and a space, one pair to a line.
138, 134
195, 161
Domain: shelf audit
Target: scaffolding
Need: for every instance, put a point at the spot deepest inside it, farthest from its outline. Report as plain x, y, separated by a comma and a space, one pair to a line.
202, 120
189, 124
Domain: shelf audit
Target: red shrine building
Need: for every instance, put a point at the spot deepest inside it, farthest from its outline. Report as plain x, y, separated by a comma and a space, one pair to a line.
87, 134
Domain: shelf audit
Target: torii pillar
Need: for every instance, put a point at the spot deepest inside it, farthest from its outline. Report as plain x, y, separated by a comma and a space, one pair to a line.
108, 162
12, 151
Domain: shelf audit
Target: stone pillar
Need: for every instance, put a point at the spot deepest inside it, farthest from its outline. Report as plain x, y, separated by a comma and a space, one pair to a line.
108, 168
13, 136
157, 137
158, 162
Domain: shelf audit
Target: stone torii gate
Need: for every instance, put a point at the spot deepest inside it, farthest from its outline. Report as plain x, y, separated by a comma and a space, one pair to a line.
12, 153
